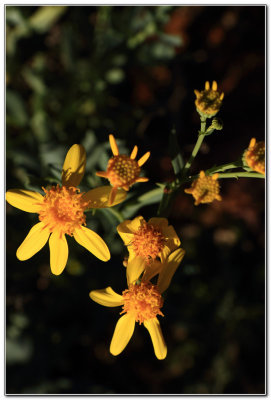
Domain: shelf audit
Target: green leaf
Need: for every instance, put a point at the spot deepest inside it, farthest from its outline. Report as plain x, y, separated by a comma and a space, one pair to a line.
45, 17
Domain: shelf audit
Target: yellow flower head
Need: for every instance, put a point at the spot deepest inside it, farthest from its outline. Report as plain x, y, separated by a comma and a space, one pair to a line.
122, 171
141, 302
209, 100
254, 156
61, 212
205, 189
148, 240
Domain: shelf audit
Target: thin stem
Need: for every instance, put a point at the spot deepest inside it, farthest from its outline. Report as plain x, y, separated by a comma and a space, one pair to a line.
116, 214
223, 167
241, 175
194, 152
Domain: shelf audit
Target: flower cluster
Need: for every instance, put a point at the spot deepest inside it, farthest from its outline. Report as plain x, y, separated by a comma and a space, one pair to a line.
154, 251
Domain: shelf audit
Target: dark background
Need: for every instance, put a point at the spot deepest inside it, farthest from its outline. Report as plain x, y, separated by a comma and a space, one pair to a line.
76, 74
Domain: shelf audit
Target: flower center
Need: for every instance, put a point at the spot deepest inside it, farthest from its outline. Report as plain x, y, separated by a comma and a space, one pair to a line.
255, 157
63, 209
122, 171
205, 189
148, 241
142, 301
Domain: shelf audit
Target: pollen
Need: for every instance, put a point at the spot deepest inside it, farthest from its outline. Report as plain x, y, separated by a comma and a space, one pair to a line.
208, 101
205, 189
148, 241
254, 156
122, 171
142, 301
63, 209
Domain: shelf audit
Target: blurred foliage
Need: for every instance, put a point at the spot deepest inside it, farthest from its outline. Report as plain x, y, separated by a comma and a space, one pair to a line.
74, 74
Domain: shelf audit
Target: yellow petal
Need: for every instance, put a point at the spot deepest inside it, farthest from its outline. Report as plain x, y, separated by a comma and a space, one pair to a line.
134, 269
169, 269
159, 222
127, 228
134, 153
106, 297
58, 253
92, 242
122, 334
172, 241
144, 158
25, 200
34, 242
159, 345
74, 166
99, 197
113, 145
151, 270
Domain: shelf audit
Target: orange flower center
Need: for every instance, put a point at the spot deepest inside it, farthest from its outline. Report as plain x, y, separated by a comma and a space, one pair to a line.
142, 301
255, 157
63, 209
148, 241
205, 189
122, 171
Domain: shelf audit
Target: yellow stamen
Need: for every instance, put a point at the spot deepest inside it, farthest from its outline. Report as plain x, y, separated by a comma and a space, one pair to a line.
63, 209
205, 189
143, 302
254, 156
148, 241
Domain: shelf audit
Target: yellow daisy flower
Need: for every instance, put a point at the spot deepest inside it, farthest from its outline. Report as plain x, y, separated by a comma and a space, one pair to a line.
61, 211
254, 156
209, 100
141, 303
148, 240
123, 171
205, 189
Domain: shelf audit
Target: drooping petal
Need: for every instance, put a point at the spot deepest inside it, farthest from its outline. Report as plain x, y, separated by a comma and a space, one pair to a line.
172, 241
74, 166
106, 297
122, 334
127, 228
169, 269
34, 242
58, 252
99, 197
92, 242
135, 267
25, 200
159, 345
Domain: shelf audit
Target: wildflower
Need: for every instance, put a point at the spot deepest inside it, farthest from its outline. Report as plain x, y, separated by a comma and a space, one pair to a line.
148, 240
61, 211
141, 303
254, 156
123, 171
208, 101
205, 189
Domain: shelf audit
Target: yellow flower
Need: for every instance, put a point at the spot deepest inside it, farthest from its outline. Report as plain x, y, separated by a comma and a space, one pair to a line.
205, 189
61, 211
208, 101
148, 240
254, 156
122, 171
141, 302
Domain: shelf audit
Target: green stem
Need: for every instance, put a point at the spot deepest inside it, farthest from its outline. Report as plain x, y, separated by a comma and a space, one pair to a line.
223, 167
197, 146
116, 213
241, 175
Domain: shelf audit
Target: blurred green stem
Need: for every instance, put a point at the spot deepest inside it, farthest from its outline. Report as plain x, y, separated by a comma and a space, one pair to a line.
116, 214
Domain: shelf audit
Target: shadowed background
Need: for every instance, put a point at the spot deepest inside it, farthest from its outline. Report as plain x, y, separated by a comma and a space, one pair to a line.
76, 74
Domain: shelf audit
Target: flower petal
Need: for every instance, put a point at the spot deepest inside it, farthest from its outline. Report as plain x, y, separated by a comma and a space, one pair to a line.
127, 228
99, 197
122, 334
25, 200
169, 269
34, 242
92, 242
151, 270
58, 252
135, 269
106, 297
172, 241
74, 166
159, 345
